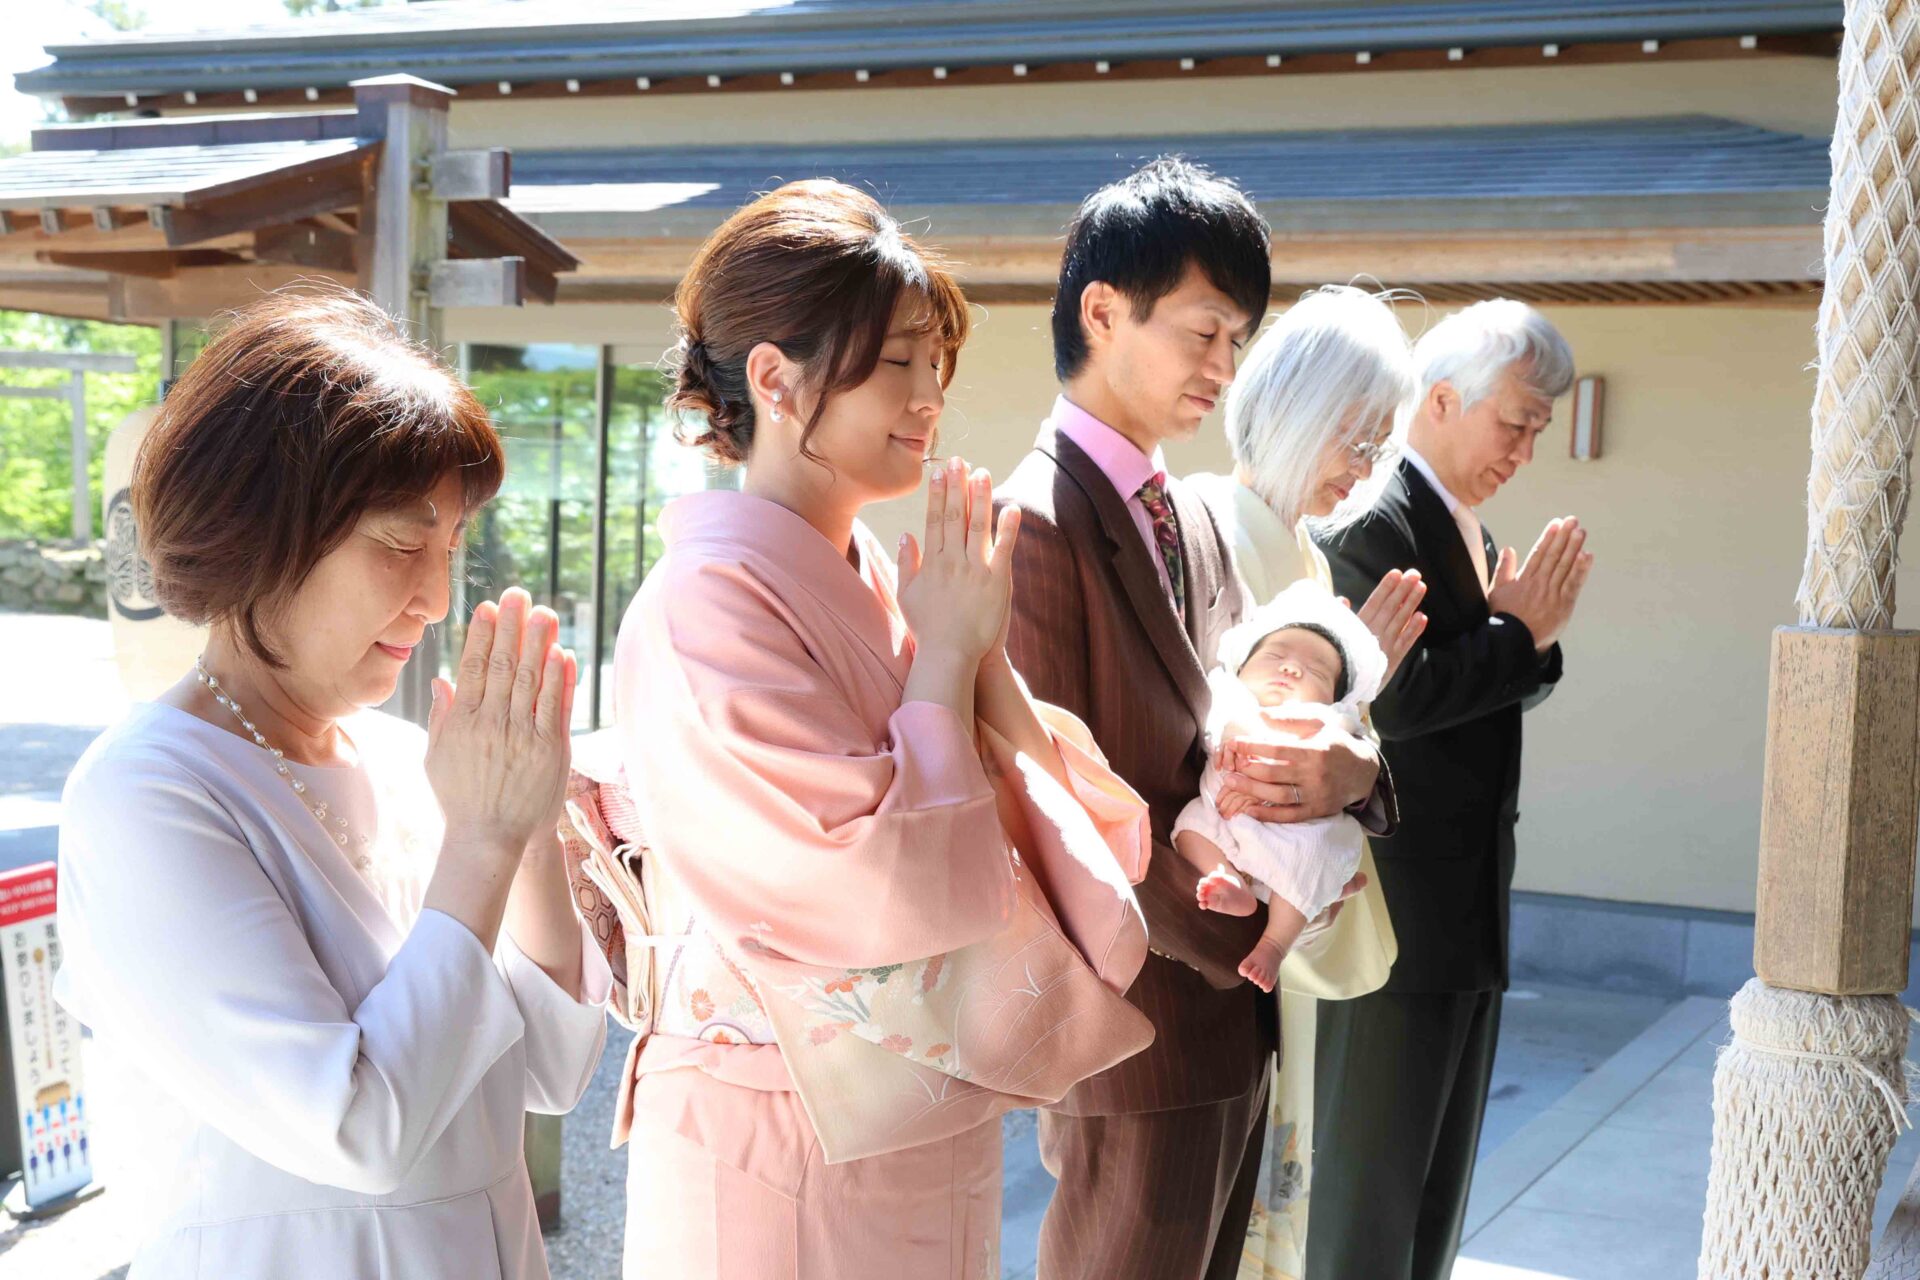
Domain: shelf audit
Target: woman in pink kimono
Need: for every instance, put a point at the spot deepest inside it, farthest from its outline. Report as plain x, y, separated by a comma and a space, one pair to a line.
904, 884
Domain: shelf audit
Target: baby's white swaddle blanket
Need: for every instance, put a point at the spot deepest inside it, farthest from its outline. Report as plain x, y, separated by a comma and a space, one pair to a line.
1306, 863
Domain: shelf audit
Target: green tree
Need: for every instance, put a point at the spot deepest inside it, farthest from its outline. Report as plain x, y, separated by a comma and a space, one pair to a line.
121, 15
301, 8
36, 455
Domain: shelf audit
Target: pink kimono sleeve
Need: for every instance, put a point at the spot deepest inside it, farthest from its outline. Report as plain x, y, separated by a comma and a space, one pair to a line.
800, 832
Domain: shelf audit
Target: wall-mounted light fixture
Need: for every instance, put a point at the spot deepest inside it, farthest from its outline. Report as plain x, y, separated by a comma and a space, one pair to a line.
1589, 399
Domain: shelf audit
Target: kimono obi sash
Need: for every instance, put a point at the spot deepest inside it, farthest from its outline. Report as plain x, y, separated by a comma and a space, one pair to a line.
881, 1056
678, 984
671, 981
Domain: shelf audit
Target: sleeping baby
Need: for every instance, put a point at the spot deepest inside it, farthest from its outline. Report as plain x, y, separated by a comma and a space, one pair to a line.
1298, 664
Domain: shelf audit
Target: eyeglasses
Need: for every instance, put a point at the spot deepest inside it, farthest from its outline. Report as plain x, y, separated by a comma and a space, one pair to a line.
1371, 452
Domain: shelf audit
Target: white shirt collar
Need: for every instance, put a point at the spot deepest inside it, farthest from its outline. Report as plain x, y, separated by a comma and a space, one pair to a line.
1425, 468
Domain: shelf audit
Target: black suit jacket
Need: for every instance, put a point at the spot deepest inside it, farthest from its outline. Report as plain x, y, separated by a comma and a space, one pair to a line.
1449, 724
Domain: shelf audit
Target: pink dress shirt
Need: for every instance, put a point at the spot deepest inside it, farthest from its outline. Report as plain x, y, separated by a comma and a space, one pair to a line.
1124, 466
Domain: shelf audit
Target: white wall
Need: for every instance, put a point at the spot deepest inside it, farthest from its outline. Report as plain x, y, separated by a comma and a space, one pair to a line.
1642, 778
1643, 771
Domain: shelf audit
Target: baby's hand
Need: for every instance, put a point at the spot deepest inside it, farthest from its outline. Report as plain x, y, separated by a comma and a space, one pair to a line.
1231, 733
1234, 803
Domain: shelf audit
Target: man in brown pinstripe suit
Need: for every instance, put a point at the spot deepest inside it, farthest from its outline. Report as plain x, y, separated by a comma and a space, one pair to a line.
1121, 583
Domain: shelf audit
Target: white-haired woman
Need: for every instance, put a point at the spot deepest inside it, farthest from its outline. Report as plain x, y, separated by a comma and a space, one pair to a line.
1311, 411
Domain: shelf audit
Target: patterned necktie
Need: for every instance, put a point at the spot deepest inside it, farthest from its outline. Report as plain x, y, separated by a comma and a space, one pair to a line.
1166, 536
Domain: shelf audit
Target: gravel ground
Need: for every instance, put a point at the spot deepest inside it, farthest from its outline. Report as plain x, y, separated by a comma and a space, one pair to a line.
593, 1178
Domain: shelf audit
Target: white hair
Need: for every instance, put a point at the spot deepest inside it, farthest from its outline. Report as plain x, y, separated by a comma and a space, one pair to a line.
1471, 349
1324, 373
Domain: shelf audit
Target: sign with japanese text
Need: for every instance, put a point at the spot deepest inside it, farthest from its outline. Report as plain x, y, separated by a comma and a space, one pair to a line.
40, 1082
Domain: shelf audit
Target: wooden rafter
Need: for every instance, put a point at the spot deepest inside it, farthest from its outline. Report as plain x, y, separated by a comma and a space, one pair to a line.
283, 198
305, 244
484, 229
153, 264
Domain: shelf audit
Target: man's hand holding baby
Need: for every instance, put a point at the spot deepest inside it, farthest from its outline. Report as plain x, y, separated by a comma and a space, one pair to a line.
1295, 770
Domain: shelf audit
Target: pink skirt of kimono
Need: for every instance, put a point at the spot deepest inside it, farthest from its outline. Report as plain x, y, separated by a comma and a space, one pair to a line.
725, 1181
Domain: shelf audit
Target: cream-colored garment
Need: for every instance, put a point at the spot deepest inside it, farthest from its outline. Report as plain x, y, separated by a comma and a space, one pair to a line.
319, 1078
1351, 958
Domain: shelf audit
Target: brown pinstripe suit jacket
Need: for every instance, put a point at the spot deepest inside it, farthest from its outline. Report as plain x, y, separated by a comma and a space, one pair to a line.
1093, 631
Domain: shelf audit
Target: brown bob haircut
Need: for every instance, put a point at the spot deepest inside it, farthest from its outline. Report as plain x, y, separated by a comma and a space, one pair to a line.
817, 268
309, 411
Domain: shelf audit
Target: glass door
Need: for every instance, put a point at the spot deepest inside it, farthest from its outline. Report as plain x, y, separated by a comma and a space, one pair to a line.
591, 461
647, 467
538, 533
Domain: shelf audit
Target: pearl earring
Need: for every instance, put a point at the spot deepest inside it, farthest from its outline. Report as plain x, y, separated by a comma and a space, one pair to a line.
777, 415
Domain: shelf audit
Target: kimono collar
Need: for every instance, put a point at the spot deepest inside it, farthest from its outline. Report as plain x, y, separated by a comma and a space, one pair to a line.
740, 522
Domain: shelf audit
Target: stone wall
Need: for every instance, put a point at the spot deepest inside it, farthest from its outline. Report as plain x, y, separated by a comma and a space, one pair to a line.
40, 577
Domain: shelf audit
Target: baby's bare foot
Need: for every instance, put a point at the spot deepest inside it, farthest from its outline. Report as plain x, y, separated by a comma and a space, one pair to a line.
1222, 891
1262, 965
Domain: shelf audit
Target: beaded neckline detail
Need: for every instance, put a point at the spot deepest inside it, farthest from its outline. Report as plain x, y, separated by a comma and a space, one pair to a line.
335, 825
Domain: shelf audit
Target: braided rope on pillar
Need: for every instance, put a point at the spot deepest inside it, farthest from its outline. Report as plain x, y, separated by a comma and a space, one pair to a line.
1864, 399
1810, 1094
1807, 1102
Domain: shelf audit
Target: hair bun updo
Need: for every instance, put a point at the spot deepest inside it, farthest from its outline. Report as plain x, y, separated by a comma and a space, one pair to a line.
815, 268
716, 395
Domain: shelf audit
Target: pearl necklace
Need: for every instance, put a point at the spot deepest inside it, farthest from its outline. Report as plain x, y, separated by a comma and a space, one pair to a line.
337, 826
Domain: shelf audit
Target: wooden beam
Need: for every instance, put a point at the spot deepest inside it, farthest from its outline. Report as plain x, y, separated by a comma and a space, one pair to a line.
206, 291
1769, 294
478, 282
108, 218
486, 229
89, 303
196, 131
281, 199
305, 245
151, 264
1838, 811
542, 286
138, 235
1675, 254
70, 361
471, 175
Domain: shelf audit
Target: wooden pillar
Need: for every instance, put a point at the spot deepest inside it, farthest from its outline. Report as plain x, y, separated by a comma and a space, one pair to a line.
82, 458
1838, 811
403, 233
403, 238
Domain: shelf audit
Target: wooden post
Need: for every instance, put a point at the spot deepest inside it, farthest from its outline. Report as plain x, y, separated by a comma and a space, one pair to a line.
402, 242
544, 1147
403, 233
82, 457
1838, 811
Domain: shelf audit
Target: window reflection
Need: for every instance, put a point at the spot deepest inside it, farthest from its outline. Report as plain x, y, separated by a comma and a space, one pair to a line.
539, 532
